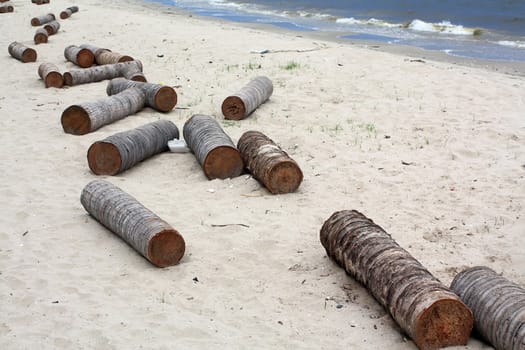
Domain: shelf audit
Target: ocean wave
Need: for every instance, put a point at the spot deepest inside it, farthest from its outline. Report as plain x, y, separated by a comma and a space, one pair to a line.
442, 27
416, 25
516, 44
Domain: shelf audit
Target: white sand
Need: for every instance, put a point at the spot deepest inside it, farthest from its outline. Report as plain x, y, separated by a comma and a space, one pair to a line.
350, 117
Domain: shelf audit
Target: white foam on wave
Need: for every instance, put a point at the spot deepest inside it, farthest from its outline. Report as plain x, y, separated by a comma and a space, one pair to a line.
441, 27
370, 21
516, 44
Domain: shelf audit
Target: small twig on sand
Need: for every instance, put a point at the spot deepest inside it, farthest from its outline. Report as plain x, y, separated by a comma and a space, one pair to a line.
224, 225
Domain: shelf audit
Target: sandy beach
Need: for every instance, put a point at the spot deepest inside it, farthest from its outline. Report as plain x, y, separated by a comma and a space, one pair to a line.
431, 149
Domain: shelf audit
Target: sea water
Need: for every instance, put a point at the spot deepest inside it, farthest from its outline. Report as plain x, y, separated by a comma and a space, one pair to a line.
487, 29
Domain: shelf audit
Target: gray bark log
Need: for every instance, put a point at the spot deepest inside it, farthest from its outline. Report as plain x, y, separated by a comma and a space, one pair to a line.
212, 147
99, 73
246, 100
123, 150
142, 229
52, 27
160, 97
51, 75
498, 306
41, 20
21, 52
81, 57
40, 36
87, 117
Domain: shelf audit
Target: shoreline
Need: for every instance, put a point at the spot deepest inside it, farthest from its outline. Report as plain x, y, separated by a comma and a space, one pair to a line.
412, 52
433, 152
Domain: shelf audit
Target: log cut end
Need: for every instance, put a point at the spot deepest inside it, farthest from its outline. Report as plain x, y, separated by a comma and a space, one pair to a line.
222, 163
104, 158
125, 58
284, 177
166, 248
233, 108
85, 58
54, 79
35, 22
29, 55
40, 38
165, 99
447, 322
76, 121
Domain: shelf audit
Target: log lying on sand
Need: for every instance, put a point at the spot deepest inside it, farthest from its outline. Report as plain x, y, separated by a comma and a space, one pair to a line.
269, 163
81, 57
40, 36
52, 27
123, 150
213, 149
87, 117
160, 97
498, 306
40, 2
99, 73
424, 308
142, 229
21, 52
51, 75
68, 12
106, 56
5, 8
246, 100
41, 20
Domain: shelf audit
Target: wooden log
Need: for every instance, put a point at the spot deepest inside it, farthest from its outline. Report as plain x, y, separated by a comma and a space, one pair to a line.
21, 52
109, 57
160, 97
40, 2
423, 307
52, 27
99, 73
94, 49
133, 75
41, 36
87, 117
498, 306
81, 57
41, 20
268, 163
212, 147
142, 229
6, 8
123, 150
246, 100
51, 75
68, 12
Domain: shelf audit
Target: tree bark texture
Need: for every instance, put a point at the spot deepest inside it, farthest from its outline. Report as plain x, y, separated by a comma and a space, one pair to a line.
268, 163
142, 229
246, 100
498, 306
52, 27
41, 20
212, 147
123, 150
424, 308
110, 57
134, 76
99, 73
5, 8
68, 12
87, 117
160, 97
51, 75
21, 52
41, 36
81, 57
